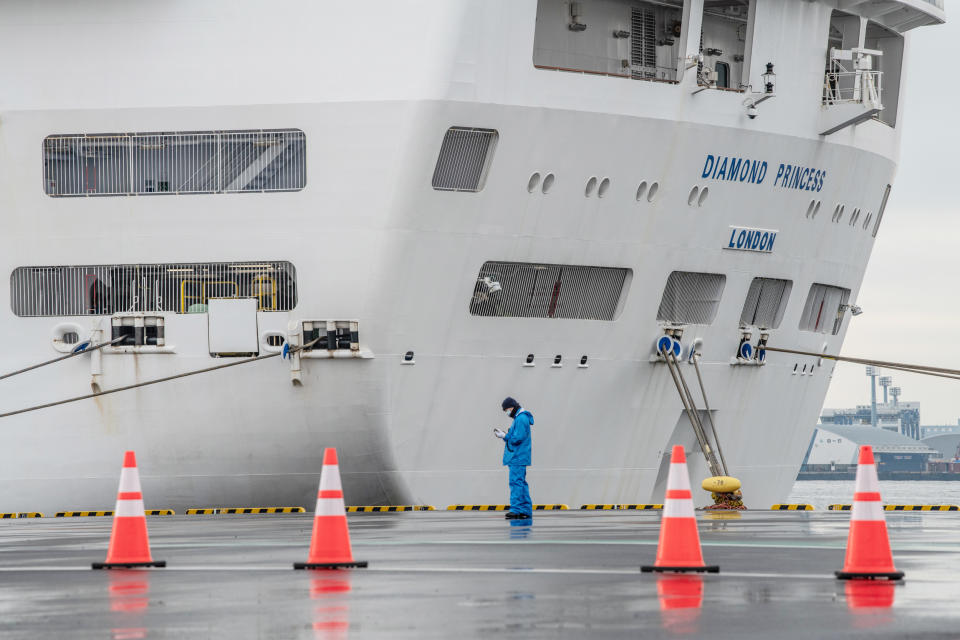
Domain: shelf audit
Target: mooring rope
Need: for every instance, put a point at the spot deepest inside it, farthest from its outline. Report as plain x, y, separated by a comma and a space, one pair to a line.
953, 374
72, 354
157, 381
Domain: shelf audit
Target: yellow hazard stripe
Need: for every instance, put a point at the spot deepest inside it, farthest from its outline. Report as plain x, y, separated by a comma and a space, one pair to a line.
201, 512
550, 507
478, 507
234, 510
921, 507
30, 514
390, 508
82, 514
160, 512
641, 507
791, 507
598, 507
13, 514
839, 507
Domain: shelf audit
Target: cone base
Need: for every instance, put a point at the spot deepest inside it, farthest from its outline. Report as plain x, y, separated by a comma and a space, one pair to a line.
330, 565
701, 569
854, 575
128, 565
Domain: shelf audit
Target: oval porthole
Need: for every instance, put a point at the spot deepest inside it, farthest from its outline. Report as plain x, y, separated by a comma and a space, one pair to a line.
692, 198
275, 340
703, 196
548, 181
591, 187
813, 203
70, 337
533, 182
641, 190
652, 192
866, 221
816, 209
604, 187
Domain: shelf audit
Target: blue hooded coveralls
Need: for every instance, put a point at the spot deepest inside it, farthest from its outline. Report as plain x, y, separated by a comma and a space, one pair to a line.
516, 456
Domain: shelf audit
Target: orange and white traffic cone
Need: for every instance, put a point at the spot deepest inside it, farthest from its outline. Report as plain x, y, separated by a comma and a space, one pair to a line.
679, 547
330, 544
129, 542
868, 546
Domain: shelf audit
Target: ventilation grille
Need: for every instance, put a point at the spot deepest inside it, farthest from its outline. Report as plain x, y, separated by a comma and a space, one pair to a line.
822, 313
691, 298
522, 290
643, 42
464, 158
175, 163
765, 303
175, 288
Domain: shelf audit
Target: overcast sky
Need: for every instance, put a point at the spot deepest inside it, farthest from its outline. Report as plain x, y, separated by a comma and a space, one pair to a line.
910, 296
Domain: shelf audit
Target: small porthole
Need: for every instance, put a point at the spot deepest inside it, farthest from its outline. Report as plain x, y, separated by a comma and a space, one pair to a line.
795, 365
558, 360
70, 337
840, 215
529, 359
692, 198
548, 181
810, 207
816, 209
641, 191
652, 192
591, 187
533, 182
583, 361
275, 340
408, 356
703, 196
604, 187
866, 221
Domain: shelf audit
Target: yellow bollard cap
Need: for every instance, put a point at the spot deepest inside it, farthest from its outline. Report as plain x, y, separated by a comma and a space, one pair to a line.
720, 484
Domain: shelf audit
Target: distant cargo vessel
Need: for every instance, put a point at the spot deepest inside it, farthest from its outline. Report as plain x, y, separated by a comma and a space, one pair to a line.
447, 201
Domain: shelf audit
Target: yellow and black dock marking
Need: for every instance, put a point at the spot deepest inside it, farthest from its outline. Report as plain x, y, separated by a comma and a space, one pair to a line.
82, 514
599, 507
5, 516
30, 514
839, 507
478, 507
921, 507
202, 512
791, 507
160, 512
390, 508
234, 510
641, 507
550, 507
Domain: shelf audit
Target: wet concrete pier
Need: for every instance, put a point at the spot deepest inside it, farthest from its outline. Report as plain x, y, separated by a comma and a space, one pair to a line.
448, 574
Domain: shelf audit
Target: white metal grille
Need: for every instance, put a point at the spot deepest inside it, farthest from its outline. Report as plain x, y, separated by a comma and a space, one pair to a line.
173, 287
766, 302
822, 313
643, 42
691, 298
464, 158
523, 290
175, 163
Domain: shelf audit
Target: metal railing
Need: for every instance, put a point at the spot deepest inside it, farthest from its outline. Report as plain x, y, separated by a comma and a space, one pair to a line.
169, 287
175, 163
853, 87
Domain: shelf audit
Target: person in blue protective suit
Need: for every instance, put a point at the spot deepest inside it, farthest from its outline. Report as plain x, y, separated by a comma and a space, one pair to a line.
516, 457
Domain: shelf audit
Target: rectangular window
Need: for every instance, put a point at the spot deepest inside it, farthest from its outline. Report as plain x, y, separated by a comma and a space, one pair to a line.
765, 303
464, 159
725, 43
523, 290
691, 298
174, 163
823, 312
172, 288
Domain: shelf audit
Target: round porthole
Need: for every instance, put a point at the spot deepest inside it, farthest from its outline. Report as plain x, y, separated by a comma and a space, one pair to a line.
703, 196
604, 187
591, 187
533, 182
548, 181
692, 198
641, 190
652, 192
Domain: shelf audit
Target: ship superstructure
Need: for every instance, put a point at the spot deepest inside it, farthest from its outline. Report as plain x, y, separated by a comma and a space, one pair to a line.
445, 202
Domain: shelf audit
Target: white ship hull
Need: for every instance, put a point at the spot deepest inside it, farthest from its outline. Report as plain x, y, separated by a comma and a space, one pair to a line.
372, 241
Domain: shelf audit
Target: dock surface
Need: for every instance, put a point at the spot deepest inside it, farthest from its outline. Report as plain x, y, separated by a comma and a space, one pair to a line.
473, 574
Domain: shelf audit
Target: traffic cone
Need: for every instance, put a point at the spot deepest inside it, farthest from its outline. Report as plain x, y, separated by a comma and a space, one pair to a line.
129, 543
679, 547
330, 544
868, 546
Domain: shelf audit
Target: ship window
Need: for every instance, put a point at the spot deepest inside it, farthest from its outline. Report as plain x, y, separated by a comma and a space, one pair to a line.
174, 163
823, 311
524, 290
723, 74
464, 159
765, 303
168, 287
691, 298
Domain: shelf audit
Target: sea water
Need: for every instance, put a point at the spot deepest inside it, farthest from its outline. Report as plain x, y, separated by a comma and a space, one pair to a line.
821, 493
